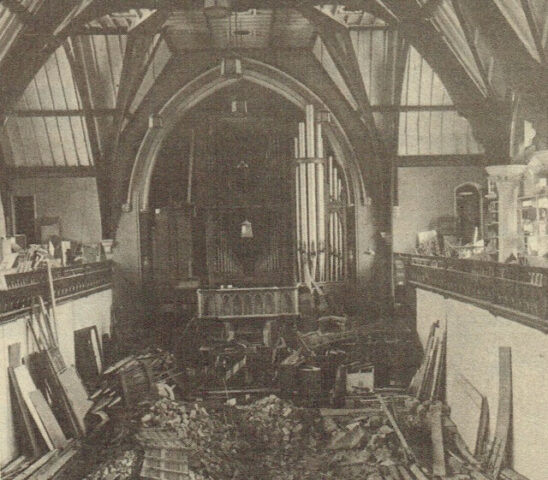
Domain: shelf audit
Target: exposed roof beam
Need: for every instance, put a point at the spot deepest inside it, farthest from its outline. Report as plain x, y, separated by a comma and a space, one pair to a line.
75, 56
537, 37
29, 51
96, 112
336, 38
470, 39
411, 108
24, 14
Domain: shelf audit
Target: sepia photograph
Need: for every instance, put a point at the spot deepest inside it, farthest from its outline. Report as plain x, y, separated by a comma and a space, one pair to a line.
273, 240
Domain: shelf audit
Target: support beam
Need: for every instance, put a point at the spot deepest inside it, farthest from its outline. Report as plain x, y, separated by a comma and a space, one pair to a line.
75, 56
20, 10
470, 39
336, 38
96, 112
537, 36
135, 65
487, 115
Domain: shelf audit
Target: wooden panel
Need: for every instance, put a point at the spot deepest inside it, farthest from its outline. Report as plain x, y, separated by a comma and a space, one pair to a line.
88, 356
49, 421
160, 247
22, 415
182, 220
26, 386
504, 412
76, 395
172, 244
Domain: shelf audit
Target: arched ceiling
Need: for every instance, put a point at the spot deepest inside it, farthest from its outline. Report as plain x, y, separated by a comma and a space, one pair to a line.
75, 73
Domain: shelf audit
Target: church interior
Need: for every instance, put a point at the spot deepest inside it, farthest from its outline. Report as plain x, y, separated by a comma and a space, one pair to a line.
259, 239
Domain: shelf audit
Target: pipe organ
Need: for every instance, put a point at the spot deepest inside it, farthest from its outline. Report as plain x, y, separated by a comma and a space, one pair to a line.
336, 216
310, 199
320, 219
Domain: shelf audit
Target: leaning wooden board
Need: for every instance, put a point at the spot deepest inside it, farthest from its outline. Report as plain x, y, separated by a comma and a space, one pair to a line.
51, 424
26, 386
25, 417
504, 412
76, 395
438, 452
466, 410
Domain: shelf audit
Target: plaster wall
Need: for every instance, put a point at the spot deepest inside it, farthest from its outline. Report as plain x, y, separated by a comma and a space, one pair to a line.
473, 341
424, 195
71, 316
74, 200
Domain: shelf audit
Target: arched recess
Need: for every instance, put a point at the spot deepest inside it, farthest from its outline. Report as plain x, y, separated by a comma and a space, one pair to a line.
164, 117
207, 84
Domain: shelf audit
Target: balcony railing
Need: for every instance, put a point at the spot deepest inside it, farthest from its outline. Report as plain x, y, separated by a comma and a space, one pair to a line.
69, 282
513, 291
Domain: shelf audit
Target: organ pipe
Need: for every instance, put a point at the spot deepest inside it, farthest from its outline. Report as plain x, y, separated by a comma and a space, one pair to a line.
310, 197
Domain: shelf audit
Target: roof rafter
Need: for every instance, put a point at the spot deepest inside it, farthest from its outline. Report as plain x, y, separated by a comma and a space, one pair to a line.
537, 37
75, 56
336, 38
24, 14
470, 39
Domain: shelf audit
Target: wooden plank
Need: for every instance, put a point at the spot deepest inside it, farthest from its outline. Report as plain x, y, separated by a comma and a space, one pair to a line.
24, 414
394, 472
418, 472
438, 449
14, 355
439, 373
14, 465
404, 473
342, 412
509, 474
76, 395
504, 412
483, 429
26, 474
396, 428
466, 410
26, 385
418, 378
55, 463
51, 424
463, 449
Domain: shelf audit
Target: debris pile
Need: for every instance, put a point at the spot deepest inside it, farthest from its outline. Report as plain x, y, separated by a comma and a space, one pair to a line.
132, 380
122, 467
214, 444
280, 424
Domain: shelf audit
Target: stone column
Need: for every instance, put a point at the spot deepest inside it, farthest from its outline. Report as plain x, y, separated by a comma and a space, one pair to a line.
507, 179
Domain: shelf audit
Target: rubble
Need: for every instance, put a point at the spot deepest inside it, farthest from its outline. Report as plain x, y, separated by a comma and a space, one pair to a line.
119, 468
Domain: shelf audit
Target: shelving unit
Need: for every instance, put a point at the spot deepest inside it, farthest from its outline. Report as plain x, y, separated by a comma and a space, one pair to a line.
491, 225
533, 223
